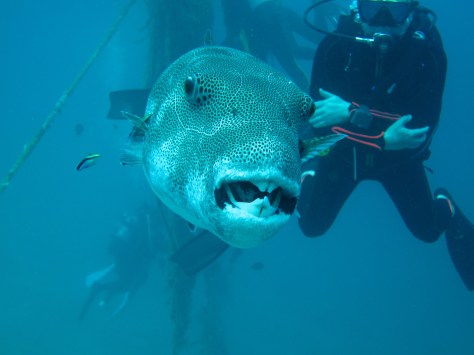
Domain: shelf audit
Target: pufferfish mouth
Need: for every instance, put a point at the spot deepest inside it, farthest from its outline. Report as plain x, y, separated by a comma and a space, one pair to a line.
258, 198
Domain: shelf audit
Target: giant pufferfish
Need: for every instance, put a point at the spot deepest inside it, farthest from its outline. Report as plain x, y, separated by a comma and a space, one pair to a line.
219, 143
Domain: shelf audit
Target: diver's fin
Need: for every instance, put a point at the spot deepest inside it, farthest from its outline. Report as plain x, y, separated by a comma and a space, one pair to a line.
95, 289
199, 252
87, 304
461, 250
460, 241
92, 278
127, 100
121, 306
318, 146
244, 40
208, 38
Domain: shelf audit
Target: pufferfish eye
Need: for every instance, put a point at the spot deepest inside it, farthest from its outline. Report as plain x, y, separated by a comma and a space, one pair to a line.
189, 86
312, 109
198, 89
307, 108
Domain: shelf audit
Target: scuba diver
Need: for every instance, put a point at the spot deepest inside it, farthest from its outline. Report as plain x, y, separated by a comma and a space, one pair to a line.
267, 28
135, 245
133, 249
379, 79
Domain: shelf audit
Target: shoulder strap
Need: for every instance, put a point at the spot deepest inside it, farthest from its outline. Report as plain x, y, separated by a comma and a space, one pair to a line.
347, 26
423, 25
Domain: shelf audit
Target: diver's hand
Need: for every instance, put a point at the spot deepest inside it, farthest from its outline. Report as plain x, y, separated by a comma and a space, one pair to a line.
398, 136
330, 111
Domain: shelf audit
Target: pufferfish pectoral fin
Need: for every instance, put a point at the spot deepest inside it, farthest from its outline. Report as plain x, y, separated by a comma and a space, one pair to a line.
318, 146
132, 153
140, 125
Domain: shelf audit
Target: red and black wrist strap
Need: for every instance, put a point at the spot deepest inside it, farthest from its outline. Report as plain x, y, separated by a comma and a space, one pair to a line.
376, 141
376, 113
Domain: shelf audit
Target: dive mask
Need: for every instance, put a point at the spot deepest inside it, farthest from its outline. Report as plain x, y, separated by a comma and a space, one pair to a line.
385, 13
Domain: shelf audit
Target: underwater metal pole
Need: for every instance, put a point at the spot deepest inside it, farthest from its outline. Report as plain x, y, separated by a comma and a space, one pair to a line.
28, 149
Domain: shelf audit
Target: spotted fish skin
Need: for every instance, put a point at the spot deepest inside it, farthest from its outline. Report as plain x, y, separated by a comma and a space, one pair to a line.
221, 144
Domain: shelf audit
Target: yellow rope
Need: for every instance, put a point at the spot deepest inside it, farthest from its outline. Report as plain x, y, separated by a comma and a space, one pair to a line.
62, 100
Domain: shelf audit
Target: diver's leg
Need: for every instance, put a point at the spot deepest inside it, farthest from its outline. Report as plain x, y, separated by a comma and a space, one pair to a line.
323, 195
428, 217
409, 189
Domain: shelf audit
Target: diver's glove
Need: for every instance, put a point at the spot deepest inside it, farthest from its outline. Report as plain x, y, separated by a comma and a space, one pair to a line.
398, 136
330, 111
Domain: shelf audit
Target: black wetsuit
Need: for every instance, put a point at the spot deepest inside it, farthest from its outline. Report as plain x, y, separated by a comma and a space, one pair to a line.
409, 79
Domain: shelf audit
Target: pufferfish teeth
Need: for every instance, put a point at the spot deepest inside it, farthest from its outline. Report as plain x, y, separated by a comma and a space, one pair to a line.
267, 209
265, 185
230, 194
259, 207
276, 202
262, 185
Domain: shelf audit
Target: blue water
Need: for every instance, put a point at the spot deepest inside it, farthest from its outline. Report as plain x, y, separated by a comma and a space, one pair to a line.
367, 287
